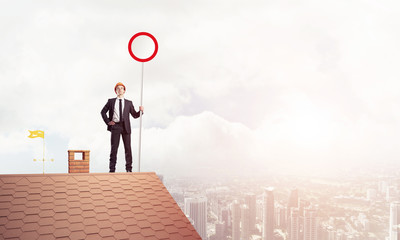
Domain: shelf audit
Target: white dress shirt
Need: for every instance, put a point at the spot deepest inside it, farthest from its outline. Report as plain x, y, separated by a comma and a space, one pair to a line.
116, 117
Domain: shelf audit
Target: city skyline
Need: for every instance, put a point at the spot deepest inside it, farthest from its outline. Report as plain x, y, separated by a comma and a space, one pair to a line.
354, 207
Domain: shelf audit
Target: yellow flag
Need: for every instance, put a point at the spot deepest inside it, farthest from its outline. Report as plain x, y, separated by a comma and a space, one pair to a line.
35, 134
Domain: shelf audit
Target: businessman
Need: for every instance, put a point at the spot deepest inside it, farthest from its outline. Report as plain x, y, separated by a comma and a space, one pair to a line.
118, 124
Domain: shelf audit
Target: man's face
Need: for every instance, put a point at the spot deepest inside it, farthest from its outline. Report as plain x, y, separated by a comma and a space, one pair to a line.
120, 90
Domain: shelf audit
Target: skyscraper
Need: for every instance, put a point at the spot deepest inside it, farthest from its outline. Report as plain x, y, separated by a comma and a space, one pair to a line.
220, 231
250, 201
226, 219
293, 201
310, 224
280, 213
394, 231
196, 210
245, 222
294, 225
235, 221
268, 214
331, 233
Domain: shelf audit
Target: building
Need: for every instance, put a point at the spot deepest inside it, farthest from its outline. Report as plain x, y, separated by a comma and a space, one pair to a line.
196, 210
220, 231
280, 217
394, 221
310, 224
225, 216
235, 220
294, 224
293, 201
245, 222
268, 214
250, 201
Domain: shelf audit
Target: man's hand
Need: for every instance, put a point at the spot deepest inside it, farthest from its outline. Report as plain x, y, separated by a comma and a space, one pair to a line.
111, 123
141, 108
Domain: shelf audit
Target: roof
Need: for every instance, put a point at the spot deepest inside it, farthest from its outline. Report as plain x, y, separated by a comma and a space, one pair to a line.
90, 206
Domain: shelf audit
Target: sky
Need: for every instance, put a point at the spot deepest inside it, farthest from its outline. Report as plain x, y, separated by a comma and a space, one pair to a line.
236, 86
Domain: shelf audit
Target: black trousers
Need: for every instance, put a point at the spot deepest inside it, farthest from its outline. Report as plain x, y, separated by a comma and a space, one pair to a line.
117, 131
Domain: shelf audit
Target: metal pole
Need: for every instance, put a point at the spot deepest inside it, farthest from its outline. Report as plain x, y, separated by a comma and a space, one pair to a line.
43, 153
140, 129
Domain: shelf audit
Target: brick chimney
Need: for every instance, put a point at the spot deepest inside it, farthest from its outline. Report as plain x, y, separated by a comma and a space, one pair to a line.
78, 165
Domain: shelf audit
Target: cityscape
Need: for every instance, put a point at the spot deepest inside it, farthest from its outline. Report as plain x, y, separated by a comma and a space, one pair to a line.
351, 205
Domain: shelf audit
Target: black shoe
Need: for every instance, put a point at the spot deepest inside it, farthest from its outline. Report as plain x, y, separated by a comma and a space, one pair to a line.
128, 170
112, 171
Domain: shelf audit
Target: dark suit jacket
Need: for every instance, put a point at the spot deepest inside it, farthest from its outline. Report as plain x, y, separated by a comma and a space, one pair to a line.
128, 108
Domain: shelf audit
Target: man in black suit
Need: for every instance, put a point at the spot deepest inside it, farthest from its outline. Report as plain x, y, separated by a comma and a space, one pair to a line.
118, 124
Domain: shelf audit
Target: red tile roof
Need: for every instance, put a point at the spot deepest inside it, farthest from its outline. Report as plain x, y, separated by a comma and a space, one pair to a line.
90, 206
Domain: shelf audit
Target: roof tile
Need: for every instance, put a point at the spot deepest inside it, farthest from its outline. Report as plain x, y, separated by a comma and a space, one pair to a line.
11, 224
45, 230
118, 226
61, 223
4, 212
166, 222
133, 229
140, 217
20, 201
91, 229
46, 213
157, 226
136, 236
143, 224
130, 221
62, 232
60, 209
171, 229
76, 227
116, 219
101, 209
17, 208
153, 219
46, 206
30, 227
30, 219
89, 221
30, 197
104, 224
13, 233
162, 235
46, 237
121, 235
61, 216
78, 235
5, 205
94, 236
45, 221
106, 232
28, 235
75, 219
147, 232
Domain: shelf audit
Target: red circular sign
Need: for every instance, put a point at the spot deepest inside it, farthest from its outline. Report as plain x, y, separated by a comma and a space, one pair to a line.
155, 47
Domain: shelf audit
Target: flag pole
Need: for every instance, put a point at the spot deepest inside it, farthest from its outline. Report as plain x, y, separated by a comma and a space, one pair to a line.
140, 129
43, 152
